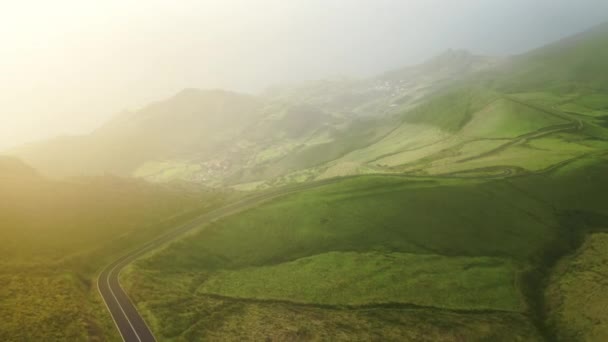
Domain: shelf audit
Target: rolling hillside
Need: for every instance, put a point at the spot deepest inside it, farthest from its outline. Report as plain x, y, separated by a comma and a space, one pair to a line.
497, 122
467, 201
569, 66
457, 114
478, 214
382, 252
190, 123
55, 235
222, 138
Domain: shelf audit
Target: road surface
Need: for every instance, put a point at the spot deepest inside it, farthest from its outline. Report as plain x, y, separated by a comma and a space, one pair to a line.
128, 321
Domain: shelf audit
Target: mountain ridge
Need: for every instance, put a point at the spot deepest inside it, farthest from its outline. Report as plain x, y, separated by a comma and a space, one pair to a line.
220, 138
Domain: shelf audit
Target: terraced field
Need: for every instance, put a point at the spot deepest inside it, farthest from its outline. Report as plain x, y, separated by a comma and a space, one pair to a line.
501, 135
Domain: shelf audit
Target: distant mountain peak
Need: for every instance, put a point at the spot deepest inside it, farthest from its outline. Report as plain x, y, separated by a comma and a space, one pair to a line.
197, 92
603, 27
453, 57
451, 63
451, 53
188, 93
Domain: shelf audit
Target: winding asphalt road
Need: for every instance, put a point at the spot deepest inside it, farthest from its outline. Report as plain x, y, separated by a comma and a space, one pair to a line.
128, 321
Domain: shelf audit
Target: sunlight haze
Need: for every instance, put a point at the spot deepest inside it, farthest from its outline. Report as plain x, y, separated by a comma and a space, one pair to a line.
304, 170
68, 66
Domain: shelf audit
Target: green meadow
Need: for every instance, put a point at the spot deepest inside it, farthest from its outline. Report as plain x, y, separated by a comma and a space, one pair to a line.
350, 278
439, 205
376, 243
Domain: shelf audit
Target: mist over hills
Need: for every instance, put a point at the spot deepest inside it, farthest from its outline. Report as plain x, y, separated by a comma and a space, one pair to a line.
196, 126
576, 61
306, 131
460, 199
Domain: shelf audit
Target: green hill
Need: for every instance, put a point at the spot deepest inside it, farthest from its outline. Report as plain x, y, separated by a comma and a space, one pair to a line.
382, 243
456, 113
526, 114
191, 123
474, 193
55, 236
463, 191
574, 64
222, 138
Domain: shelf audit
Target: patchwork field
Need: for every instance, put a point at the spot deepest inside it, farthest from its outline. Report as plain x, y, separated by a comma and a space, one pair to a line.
372, 244
447, 226
463, 199
487, 135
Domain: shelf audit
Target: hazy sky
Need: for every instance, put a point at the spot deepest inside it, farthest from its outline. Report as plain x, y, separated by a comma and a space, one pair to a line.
67, 66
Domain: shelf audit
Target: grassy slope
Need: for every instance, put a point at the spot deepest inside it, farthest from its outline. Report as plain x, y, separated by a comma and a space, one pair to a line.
574, 64
358, 134
502, 134
507, 119
467, 129
554, 85
461, 104
525, 222
181, 314
348, 278
341, 217
190, 124
533, 218
56, 235
576, 296
224, 138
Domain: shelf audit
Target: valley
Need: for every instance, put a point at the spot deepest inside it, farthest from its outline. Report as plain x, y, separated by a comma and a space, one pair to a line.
460, 199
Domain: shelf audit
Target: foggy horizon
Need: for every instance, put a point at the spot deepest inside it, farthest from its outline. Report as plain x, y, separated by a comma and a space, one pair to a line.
304, 170
70, 67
